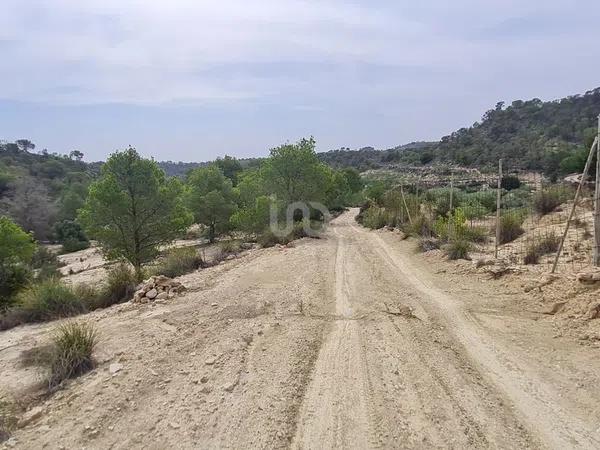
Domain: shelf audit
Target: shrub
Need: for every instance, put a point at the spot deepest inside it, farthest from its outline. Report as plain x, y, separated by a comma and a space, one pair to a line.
8, 421
510, 182
179, 261
548, 244
269, 239
546, 201
511, 227
421, 226
46, 264
229, 247
475, 234
458, 249
13, 279
374, 218
72, 245
72, 237
49, 299
120, 286
71, 353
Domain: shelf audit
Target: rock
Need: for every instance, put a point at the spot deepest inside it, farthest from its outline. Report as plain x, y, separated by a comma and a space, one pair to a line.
594, 312
214, 304
204, 379
557, 307
229, 387
210, 361
115, 368
588, 277
152, 293
162, 296
30, 416
174, 425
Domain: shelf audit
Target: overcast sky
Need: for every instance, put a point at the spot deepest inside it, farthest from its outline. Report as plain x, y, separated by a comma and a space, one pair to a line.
194, 79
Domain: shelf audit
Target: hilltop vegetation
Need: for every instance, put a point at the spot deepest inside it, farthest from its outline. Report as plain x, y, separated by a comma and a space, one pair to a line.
553, 137
40, 190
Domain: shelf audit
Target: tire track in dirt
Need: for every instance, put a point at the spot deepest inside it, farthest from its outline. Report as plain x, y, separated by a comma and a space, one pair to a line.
532, 397
335, 412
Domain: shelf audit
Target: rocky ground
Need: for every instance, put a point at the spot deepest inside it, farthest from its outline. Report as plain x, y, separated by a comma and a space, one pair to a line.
352, 340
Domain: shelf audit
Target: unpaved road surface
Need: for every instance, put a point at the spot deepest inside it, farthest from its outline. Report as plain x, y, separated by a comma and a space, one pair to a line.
350, 341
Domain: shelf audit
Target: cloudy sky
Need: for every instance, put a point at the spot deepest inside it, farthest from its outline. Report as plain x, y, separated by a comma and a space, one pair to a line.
194, 79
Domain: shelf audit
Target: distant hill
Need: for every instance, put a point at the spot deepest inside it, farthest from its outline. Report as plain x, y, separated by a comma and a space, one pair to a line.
529, 134
552, 137
38, 189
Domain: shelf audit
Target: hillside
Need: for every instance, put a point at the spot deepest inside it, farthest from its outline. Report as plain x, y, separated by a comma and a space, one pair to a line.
548, 136
39, 189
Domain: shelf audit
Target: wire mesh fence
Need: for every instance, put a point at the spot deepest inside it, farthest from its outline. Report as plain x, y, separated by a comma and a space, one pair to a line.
532, 217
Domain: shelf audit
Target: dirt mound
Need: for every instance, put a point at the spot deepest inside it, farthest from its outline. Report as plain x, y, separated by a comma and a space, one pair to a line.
157, 288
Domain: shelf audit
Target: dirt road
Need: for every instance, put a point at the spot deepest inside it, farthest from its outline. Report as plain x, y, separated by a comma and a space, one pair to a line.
350, 341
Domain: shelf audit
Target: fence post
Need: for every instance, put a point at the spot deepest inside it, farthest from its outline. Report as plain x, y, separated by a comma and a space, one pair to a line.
588, 163
597, 203
498, 201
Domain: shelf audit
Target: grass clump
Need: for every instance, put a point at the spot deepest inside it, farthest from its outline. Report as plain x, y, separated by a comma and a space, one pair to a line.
71, 352
179, 261
8, 420
49, 299
511, 227
230, 247
548, 244
547, 200
375, 218
458, 249
269, 239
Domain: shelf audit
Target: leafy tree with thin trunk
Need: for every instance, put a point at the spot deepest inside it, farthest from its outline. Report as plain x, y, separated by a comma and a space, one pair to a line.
211, 197
16, 250
133, 209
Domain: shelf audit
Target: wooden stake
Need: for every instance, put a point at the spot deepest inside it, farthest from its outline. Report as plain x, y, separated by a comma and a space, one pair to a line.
405, 205
586, 169
498, 202
597, 203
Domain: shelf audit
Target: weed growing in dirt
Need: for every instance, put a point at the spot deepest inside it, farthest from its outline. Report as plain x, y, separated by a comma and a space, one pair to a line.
49, 299
8, 421
548, 244
71, 352
547, 200
458, 249
511, 227
229, 247
179, 261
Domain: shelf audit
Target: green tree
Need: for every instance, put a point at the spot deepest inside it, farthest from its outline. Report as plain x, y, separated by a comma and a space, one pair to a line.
253, 218
16, 249
133, 209
230, 167
355, 182
210, 197
293, 173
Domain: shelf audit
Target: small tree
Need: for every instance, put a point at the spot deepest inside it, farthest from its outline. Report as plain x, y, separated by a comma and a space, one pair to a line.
133, 209
16, 250
210, 197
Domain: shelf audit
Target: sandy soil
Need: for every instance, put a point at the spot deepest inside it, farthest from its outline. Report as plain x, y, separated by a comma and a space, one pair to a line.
350, 341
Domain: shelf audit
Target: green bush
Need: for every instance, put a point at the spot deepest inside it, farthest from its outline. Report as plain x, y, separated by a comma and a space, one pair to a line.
476, 234
71, 353
47, 300
547, 200
375, 218
72, 245
179, 261
511, 226
120, 285
510, 182
13, 279
548, 244
458, 249
269, 239
72, 237
421, 226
